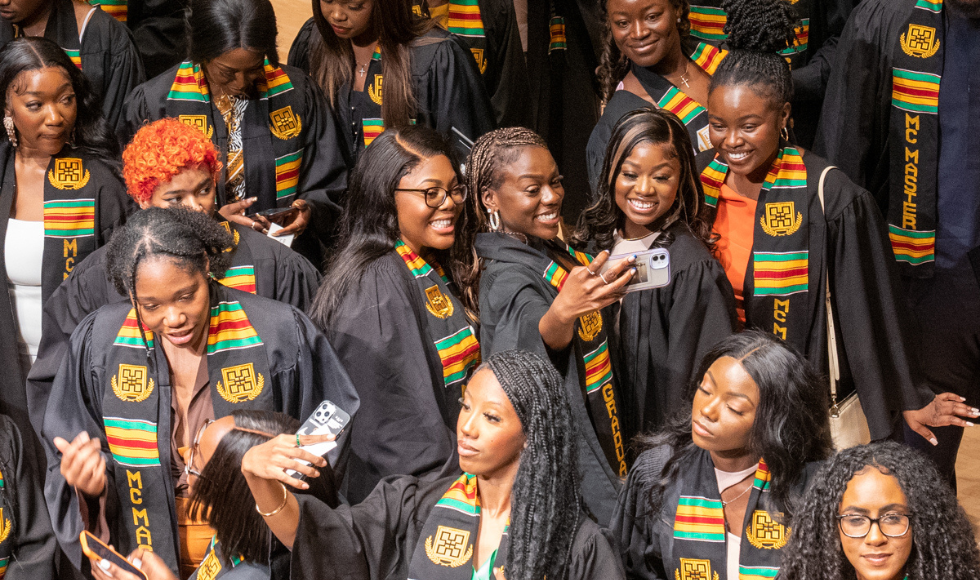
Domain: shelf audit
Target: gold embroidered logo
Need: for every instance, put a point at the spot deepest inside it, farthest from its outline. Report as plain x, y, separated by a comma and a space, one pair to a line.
69, 174
241, 383
589, 325
375, 90
234, 233
920, 41
438, 304
451, 547
692, 569
778, 219
417, 10
5, 527
765, 533
132, 384
481, 62
209, 568
285, 124
198, 122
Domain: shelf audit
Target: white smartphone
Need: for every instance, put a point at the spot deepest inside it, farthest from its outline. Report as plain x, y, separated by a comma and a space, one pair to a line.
327, 418
652, 269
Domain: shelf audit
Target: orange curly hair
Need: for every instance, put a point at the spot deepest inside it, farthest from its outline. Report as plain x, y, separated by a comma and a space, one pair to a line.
161, 150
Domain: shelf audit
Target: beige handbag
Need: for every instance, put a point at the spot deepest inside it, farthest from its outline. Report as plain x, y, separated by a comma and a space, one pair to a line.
848, 424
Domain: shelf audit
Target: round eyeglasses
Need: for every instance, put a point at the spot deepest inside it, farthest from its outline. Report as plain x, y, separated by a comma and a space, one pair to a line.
436, 196
188, 467
858, 526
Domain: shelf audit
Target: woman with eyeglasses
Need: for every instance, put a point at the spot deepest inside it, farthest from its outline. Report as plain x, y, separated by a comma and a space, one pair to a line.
881, 512
391, 307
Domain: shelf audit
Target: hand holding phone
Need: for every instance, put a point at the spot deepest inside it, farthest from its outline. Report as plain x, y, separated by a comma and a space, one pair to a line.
652, 269
328, 418
97, 551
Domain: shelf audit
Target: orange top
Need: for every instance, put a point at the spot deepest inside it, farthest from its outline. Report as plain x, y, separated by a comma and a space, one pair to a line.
735, 226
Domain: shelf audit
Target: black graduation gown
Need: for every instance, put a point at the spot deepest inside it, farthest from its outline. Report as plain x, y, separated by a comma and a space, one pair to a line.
32, 546
323, 169
377, 538
645, 539
824, 20
157, 27
279, 274
302, 371
665, 332
406, 423
513, 298
872, 328
111, 207
107, 55
449, 93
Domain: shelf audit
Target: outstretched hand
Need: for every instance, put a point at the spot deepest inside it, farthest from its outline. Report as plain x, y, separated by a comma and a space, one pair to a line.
588, 289
945, 409
82, 463
271, 459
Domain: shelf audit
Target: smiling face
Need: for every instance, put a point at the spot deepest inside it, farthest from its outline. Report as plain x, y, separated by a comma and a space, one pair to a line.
423, 227
645, 31
173, 301
646, 186
744, 128
529, 195
235, 73
876, 556
724, 409
489, 436
348, 18
42, 104
192, 188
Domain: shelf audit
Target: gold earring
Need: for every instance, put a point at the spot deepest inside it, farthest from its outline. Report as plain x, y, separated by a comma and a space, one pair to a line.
784, 133
8, 124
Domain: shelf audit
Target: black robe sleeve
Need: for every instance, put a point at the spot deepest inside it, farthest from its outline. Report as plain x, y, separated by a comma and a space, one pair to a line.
121, 70
158, 32
402, 426
299, 50
506, 73
281, 273
136, 110
826, 23
592, 555
35, 549
113, 203
509, 297
631, 528
868, 306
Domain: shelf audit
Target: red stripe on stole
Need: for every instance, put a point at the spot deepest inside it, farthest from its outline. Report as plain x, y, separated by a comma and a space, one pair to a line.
929, 243
599, 370
780, 274
134, 443
461, 487
70, 218
462, 355
464, 16
188, 79
231, 325
288, 174
699, 520
915, 91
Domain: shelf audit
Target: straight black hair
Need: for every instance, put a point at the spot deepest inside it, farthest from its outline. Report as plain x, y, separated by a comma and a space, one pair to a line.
215, 27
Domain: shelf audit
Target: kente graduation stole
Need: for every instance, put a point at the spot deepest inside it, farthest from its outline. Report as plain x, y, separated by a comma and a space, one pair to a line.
670, 98
62, 28
241, 274
591, 344
708, 24
917, 56
137, 419
699, 528
277, 115
118, 9
777, 277
372, 127
454, 339
213, 566
69, 217
445, 548
465, 22
557, 38
6, 528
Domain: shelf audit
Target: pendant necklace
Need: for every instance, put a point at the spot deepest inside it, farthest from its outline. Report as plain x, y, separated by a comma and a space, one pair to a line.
363, 69
684, 79
734, 499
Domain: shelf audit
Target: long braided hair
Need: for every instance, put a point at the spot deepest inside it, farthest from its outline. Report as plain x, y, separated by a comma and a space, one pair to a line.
645, 126
943, 543
490, 153
545, 499
757, 30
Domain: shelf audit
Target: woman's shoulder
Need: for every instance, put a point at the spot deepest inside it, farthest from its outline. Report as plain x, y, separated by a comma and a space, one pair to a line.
109, 34
839, 191
435, 51
622, 102
158, 87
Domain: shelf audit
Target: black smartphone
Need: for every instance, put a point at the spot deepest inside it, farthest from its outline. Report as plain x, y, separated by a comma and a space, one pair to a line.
95, 549
273, 213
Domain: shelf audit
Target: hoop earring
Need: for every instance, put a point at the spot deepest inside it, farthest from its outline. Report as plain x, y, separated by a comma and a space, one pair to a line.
8, 124
784, 133
494, 218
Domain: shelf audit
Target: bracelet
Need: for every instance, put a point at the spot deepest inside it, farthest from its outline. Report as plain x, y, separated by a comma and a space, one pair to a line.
285, 495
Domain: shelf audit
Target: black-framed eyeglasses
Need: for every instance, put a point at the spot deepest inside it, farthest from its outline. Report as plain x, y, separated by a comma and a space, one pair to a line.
858, 526
436, 196
188, 467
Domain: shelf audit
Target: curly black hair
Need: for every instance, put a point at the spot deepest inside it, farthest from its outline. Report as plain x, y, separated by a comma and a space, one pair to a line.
791, 427
193, 239
943, 544
757, 30
545, 502
659, 127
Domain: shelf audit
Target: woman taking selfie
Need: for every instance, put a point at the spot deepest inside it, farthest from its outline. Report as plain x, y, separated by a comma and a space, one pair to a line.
391, 307
141, 378
881, 512
538, 294
59, 199
785, 246
648, 61
381, 65
718, 490
515, 509
650, 197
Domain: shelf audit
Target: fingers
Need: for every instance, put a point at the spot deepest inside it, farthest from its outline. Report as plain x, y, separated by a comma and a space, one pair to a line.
262, 221
313, 439
617, 269
237, 207
926, 433
296, 225
598, 262
61, 444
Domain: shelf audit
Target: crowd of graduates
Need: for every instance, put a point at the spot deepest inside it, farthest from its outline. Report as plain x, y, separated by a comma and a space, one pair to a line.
596, 288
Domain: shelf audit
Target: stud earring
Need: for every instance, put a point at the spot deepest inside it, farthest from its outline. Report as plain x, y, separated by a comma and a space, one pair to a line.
8, 124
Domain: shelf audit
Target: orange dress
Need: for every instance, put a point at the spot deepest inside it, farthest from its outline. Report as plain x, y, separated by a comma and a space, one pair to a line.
735, 226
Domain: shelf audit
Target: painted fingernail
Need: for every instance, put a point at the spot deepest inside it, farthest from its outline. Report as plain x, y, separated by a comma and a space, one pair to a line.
633, 270
306, 485
104, 564
138, 563
933, 441
317, 473
968, 424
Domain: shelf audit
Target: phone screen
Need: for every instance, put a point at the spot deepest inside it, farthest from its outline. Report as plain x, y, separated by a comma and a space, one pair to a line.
95, 549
